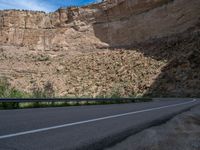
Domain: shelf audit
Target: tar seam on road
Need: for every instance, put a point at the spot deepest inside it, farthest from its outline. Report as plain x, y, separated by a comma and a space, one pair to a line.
91, 120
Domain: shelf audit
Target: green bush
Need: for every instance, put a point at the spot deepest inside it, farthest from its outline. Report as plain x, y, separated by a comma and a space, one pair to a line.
8, 92
4, 87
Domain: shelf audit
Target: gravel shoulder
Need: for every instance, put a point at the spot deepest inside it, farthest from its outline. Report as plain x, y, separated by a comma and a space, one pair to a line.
180, 133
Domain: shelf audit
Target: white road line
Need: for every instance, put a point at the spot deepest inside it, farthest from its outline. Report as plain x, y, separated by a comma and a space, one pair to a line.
91, 120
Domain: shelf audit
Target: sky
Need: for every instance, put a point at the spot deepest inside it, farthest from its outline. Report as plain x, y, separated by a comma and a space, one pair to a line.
42, 5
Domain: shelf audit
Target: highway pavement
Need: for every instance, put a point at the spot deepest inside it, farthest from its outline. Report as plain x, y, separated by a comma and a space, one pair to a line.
83, 127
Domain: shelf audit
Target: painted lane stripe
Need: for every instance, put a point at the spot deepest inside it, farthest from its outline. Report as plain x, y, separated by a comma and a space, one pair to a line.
91, 120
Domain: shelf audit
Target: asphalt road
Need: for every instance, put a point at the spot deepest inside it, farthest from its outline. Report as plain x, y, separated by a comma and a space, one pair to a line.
82, 127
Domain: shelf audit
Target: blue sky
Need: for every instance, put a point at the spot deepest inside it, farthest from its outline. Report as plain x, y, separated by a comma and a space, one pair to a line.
42, 5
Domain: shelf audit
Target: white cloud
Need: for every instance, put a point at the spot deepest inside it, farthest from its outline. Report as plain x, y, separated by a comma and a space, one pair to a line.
26, 4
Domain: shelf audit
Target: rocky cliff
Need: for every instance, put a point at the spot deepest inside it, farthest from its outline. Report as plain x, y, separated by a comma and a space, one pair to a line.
77, 48
116, 22
41, 31
132, 21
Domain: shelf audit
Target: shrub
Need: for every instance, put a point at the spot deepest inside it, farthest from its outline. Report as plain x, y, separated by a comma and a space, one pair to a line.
46, 92
4, 87
8, 92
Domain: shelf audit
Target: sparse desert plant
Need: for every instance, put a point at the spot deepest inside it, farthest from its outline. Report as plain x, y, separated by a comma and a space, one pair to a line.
46, 92
37, 92
9, 92
115, 94
49, 89
42, 58
4, 86
6, 91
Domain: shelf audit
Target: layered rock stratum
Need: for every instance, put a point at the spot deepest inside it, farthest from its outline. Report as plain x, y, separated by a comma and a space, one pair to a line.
117, 47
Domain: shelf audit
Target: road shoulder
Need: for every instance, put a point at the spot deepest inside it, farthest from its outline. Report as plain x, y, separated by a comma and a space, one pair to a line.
180, 133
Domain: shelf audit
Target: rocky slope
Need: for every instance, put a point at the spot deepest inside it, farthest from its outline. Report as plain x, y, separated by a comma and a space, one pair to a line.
94, 51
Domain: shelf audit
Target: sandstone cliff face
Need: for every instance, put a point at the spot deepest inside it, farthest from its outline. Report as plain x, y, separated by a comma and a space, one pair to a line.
60, 30
73, 48
115, 22
135, 21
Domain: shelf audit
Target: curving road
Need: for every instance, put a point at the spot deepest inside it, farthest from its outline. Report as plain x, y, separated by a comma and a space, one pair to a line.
83, 127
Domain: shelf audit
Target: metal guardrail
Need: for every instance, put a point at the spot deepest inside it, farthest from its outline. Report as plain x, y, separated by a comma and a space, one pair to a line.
21, 100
